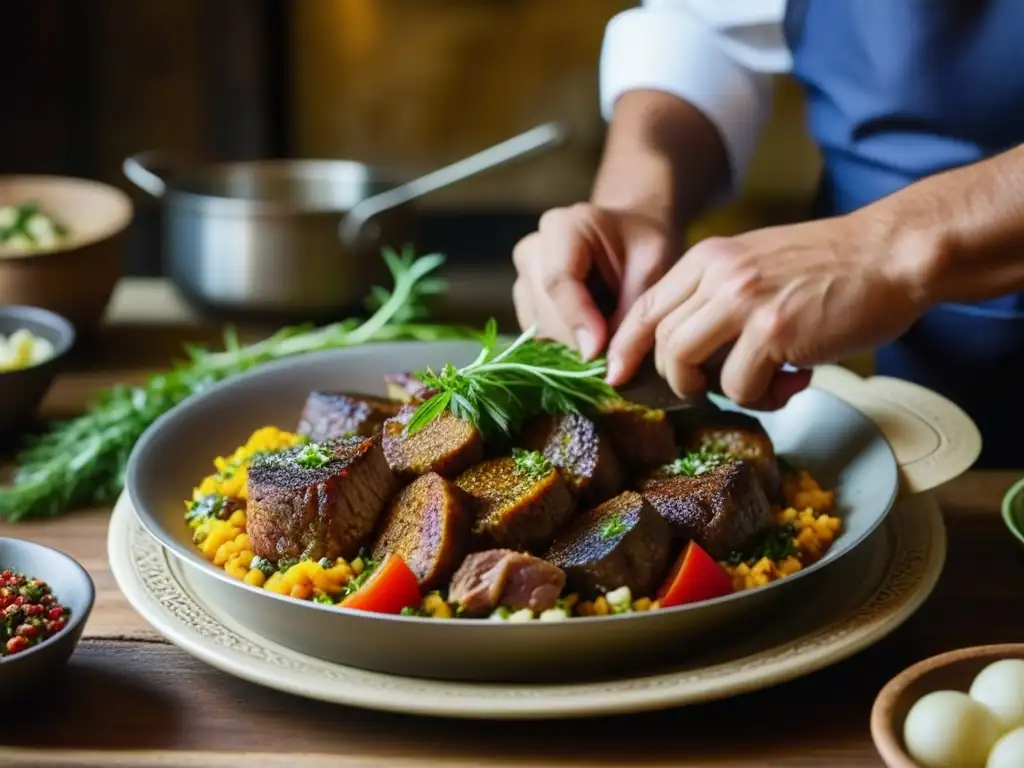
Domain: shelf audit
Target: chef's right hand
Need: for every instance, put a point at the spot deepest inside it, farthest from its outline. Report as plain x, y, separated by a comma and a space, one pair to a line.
572, 247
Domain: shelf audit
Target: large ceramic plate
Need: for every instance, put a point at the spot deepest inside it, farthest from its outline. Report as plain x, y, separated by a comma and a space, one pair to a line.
861, 599
818, 430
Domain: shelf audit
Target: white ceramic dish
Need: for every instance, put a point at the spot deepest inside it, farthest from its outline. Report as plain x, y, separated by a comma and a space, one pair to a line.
862, 599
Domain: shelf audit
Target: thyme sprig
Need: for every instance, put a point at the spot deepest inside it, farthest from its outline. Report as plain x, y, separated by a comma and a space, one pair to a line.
506, 385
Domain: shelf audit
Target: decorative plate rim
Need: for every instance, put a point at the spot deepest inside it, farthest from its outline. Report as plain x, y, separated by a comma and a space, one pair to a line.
144, 572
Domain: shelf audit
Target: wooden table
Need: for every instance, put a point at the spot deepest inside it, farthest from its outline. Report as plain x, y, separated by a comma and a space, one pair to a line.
129, 698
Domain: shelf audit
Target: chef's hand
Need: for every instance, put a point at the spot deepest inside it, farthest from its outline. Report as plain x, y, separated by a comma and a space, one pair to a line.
628, 252
803, 294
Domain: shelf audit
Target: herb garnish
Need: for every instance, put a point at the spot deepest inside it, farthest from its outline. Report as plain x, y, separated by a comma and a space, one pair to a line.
506, 385
613, 526
314, 456
369, 566
206, 507
776, 544
325, 599
284, 563
268, 567
81, 462
531, 464
697, 463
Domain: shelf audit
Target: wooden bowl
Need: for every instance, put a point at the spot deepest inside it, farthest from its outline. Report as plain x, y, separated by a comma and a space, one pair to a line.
955, 671
75, 278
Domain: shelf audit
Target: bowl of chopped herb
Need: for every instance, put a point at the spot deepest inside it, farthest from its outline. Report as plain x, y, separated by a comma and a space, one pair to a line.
45, 599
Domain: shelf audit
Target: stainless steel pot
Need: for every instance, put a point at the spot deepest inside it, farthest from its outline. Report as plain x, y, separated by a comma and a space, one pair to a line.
295, 237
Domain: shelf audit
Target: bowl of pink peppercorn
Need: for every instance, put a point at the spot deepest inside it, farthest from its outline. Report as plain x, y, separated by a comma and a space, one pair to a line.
45, 599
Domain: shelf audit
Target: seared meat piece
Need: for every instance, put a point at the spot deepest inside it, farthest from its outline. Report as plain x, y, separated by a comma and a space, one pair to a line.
742, 437
317, 500
516, 580
641, 437
447, 445
580, 452
403, 387
520, 504
621, 543
427, 524
723, 509
334, 415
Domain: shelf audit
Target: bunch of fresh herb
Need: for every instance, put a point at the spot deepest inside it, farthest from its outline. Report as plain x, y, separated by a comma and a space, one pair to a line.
82, 461
504, 386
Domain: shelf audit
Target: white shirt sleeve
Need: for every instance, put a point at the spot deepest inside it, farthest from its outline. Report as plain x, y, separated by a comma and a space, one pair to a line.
718, 56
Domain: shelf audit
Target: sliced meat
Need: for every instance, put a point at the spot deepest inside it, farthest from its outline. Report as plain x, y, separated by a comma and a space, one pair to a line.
334, 415
641, 437
518, 506
505, 577
742, 437
621, 543
723, 509
403, 387
428, 524
447, 445
317, 500
575, 446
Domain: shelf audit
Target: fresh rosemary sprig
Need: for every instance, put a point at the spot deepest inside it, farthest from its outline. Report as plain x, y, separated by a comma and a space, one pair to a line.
81, 462
504, 386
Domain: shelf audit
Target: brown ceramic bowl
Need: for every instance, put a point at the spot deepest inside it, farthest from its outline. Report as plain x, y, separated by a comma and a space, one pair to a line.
954, 671
77, 277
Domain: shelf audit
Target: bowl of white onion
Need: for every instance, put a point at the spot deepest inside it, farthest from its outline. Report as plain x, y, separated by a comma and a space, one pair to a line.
963, 709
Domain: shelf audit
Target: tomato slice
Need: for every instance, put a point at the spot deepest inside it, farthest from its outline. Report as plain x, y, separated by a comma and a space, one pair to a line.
390, 588
694, 577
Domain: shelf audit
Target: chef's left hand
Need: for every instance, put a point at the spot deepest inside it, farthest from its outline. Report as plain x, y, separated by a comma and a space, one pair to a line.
802, 294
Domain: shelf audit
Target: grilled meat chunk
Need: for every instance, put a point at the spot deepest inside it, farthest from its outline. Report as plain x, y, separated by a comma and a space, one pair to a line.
518, 505
579, 451
641, 437
317, 500
447, 445
334, 415
621, 543
403, 387
723, 509
743, 437
428, 524
505, 577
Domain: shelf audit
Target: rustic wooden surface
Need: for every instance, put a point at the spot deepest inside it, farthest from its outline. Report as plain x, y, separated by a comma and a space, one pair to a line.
129, 698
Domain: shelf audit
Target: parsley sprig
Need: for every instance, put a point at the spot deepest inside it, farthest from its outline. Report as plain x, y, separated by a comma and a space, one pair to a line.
508, 384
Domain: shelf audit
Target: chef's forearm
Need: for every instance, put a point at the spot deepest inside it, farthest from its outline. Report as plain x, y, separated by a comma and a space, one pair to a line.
663, 158
958, 236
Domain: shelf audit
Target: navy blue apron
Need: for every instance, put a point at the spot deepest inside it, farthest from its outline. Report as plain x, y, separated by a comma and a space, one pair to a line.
898, 90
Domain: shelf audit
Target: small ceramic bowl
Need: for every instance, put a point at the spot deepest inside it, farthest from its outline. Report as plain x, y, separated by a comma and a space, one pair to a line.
22, 390
955, 671
1013, 510
76, 277
72, 587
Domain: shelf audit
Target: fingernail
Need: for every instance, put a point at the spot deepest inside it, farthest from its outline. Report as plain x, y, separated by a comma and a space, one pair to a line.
614, 372
586, 342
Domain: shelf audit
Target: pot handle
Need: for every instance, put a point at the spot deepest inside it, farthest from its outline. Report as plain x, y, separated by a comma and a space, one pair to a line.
541, 137
139, 170
933, 439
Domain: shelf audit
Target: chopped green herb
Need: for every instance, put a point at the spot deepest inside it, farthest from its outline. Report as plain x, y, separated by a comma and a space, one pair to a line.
776, 544
532, 464
213, 505
325, 563
410, 611
284, 563
369, 566
314, 456
697, 463
325, 599
267, 567
613, 526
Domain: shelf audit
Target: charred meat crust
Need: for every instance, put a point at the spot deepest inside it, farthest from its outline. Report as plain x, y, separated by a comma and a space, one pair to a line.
642, 438
621, 543
505, 577
722, 510
428, 525
742, 437
447, 445
516, 510
322, 511
574, 444
334, 415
